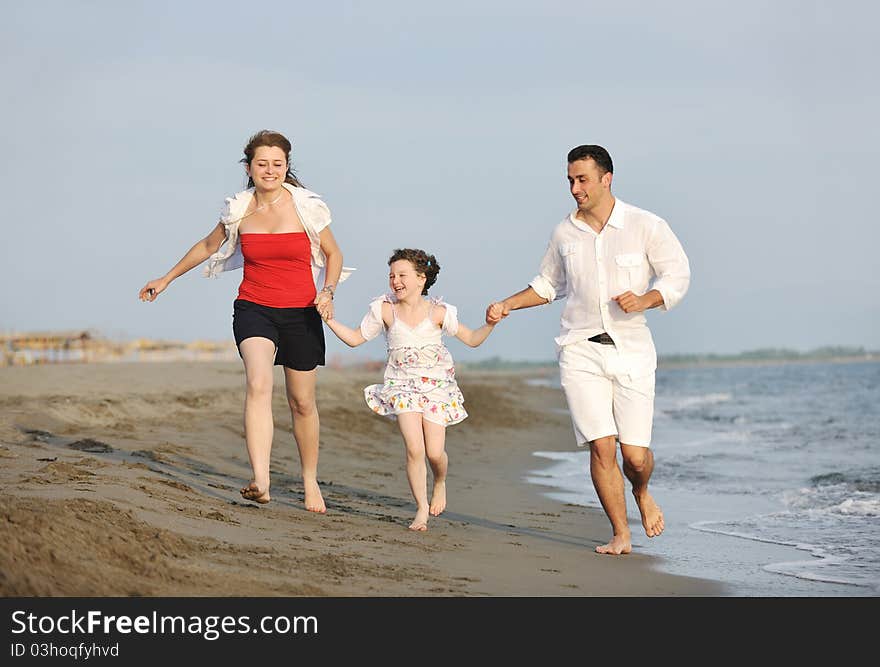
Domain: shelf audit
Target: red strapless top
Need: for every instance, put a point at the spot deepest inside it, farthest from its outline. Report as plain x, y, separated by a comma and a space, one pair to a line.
277, 270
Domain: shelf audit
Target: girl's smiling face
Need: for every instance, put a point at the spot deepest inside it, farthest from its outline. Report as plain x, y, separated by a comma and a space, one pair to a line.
404, 280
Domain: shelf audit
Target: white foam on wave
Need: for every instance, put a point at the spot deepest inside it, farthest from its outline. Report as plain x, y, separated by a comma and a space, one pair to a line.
834, 499
557, 456
565, 472
669, 406
855, 507
803, 569
681, 402
568, 475
822, 566
712, 527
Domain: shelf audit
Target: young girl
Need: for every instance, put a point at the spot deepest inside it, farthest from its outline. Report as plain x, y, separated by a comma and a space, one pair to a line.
420, 390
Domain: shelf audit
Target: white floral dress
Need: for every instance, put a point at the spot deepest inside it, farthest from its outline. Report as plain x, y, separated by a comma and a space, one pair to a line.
419, 376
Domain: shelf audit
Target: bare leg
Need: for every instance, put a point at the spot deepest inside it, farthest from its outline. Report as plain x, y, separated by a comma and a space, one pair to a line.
435, 446
410, 424
638, 464
258, 355
608, 482
306, 429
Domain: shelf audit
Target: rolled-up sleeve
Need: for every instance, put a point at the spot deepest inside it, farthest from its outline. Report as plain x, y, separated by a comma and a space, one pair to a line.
550, 282
228, 255
670, 265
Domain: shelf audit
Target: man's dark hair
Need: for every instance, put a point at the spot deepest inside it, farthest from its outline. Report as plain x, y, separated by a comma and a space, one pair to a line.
596, 153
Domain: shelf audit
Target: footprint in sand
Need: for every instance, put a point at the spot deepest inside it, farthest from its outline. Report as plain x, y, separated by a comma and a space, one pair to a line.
91, 446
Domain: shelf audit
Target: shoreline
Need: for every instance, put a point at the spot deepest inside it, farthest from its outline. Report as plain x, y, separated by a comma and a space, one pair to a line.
127, 477
766, 362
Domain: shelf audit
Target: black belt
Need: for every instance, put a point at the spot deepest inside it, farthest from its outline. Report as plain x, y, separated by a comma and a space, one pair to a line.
602, 338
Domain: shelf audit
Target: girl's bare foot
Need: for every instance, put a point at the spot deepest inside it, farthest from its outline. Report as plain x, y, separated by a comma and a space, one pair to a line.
438, 498
420, 523
255, 493
314, 499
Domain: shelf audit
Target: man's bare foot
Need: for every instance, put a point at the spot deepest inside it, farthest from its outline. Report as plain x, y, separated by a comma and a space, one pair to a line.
438, 498
652, 517
618, 545
314, 499
420, 523
255, 493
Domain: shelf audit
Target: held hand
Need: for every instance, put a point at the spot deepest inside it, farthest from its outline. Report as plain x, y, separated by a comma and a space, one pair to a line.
496, 312
152, 289
324, 305
629, 302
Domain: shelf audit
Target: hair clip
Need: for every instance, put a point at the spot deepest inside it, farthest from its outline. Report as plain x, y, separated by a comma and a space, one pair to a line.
429, 263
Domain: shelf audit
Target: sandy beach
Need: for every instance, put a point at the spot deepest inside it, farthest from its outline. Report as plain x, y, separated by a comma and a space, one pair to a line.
121, 479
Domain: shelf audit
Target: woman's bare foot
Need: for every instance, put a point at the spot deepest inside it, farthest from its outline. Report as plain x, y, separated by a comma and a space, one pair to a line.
314, 499
420, 523
619, 544
438, 498
255, 493
652, 517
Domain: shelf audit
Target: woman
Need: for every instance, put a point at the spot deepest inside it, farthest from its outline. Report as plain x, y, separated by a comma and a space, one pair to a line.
280, 233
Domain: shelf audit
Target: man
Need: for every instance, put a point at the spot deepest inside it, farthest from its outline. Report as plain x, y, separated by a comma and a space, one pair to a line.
612, 261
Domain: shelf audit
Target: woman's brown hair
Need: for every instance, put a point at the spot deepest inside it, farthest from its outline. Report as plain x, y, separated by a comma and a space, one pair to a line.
273, 140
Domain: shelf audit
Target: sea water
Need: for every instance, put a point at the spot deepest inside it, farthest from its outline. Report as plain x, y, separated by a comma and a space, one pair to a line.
768, 476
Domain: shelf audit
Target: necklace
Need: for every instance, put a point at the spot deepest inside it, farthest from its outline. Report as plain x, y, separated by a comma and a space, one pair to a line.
274, 201
262, 206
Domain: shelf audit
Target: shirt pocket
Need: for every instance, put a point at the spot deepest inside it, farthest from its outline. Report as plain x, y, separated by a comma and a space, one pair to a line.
629, 270
570, 253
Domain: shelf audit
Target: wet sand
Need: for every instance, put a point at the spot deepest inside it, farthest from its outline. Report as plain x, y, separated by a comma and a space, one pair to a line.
122, 480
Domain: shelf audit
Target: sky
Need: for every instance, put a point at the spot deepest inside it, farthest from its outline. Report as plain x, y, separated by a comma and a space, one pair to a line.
750, 127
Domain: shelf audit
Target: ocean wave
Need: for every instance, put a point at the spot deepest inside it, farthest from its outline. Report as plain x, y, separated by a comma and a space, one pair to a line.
843, 498
824, 565
866, 480
811, 570
683, 402
856, 507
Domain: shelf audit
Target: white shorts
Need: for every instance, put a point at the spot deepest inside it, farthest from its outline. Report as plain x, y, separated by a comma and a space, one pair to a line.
604, 398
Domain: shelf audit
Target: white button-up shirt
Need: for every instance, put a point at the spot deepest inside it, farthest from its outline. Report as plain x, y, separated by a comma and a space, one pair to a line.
636, 251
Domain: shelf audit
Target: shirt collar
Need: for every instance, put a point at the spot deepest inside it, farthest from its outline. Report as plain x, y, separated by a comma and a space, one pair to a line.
299, 192
615, 219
